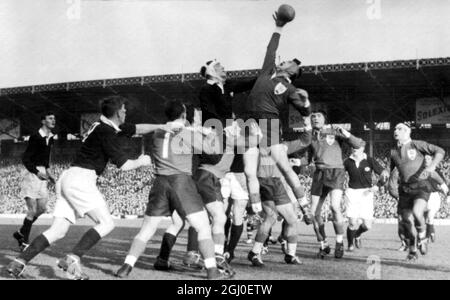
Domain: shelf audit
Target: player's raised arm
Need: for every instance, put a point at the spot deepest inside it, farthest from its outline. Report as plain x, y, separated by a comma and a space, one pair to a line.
269, 59
352, 140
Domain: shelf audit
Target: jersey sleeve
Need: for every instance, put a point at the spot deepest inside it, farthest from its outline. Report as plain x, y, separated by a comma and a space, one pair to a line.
269, 59
427, 148
128, 129
298, 104
27, 156
241, 86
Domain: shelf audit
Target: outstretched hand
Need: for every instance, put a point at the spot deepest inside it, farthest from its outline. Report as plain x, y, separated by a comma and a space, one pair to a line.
278, 22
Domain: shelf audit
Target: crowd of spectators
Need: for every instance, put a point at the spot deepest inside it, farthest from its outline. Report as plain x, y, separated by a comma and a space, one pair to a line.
127, 192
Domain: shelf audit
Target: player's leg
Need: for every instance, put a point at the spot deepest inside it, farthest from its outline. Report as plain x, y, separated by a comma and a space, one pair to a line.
168, 241
353, 226
319, 224
263, 232
200, 221
250, 158
366, 214
158, 207
291, 224
280, 156
420, 206
57, 231
217, 212
237, 226
433, 207
338, 221
410, 237
23, 234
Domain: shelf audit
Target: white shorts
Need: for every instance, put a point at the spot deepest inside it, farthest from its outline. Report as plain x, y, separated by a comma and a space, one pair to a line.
234, 185
77, 194
434, 203
33, 187
360, 203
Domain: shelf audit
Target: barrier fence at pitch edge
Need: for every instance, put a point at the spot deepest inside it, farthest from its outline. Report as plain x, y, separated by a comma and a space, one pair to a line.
438, 222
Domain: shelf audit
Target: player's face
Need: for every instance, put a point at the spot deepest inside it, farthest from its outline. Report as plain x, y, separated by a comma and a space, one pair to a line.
122, 113
317, 120
49, 122
220, 70
358, 152
288, 66
401, 132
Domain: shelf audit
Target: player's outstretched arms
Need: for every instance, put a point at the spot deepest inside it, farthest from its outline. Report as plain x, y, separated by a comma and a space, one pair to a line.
171, 127
131, 164
269, 59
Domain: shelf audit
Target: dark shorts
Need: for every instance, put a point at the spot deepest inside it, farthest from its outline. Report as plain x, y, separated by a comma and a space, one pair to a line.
409, 193
325, 180
270, 125
208, 186
272, 189
173, 192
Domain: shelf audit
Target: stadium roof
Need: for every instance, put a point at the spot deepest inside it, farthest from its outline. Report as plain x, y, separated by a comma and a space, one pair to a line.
354, 93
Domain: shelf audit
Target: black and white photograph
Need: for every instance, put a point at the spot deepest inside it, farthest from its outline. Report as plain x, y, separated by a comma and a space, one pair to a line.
240, 141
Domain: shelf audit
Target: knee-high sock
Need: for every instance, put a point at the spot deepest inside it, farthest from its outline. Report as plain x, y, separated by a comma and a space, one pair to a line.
26, 228
351, 234
192, 244
228, 225
88, 240
38, 245
236, 232
167, 244
284, 227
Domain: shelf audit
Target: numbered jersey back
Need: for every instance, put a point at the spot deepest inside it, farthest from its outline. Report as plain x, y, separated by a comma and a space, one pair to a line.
170, 154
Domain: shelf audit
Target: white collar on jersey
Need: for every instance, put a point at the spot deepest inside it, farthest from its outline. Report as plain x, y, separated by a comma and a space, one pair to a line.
405, 143
42, 133
287, 78
110, 123
219, 84
363, 157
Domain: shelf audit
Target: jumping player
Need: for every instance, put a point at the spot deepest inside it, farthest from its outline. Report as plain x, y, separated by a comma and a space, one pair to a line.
36, 160
272, 92
408, 158
328, 178
77, 193
360, 193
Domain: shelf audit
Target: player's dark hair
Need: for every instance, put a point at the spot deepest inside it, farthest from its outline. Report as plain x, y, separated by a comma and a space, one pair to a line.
203, 69
46, 114
111, 105
323, 113
174, 109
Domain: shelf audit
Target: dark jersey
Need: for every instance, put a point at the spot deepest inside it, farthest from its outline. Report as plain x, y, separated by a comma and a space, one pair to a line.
103, 144
326, 148
409, 159
217, 104
37, 152
360, 176
271, 93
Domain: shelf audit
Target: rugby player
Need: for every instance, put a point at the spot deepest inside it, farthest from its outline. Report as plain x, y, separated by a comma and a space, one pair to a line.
360, 193
272, 92
328, 178
36, 160
414, 191
77, 193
